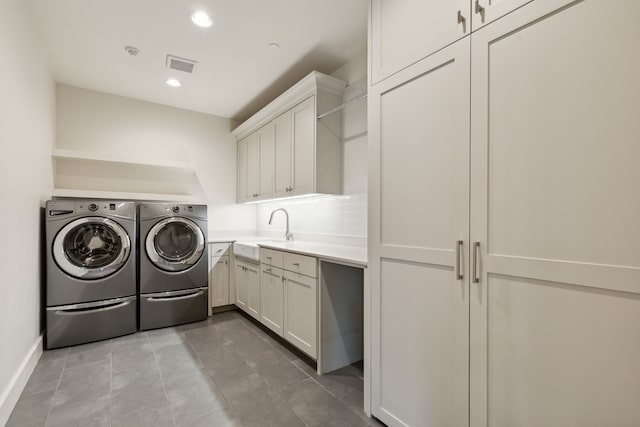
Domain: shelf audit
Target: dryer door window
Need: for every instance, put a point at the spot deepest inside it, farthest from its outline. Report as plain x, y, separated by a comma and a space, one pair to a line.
175, 244
91, 248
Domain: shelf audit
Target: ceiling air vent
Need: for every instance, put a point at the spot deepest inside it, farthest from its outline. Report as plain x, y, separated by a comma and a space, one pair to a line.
181, 64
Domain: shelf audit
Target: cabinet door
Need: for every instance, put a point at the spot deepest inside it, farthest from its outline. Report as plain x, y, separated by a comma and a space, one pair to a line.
241, 155
555, 204
253, 166
283, 151
300, 312
303, 119
405, 31
486, 11
219, 277
272, 298
419, 202
266, 141
242, 287
253, 284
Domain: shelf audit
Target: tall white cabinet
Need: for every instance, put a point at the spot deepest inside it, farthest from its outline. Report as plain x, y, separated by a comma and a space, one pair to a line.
521, 142
421, 192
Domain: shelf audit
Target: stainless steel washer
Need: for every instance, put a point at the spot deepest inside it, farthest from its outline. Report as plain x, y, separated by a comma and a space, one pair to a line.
173, 264
91, 270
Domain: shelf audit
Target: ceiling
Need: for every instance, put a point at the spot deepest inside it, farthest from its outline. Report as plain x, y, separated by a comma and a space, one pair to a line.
237, 72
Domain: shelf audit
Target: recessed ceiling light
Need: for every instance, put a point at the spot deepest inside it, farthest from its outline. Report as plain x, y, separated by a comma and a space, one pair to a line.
202, 19
173, 83
274, 46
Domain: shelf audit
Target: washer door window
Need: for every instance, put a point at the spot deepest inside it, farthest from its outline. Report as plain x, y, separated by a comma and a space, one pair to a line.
175, 244
91, 248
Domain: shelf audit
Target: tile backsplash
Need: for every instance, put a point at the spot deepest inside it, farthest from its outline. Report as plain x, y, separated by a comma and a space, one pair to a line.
338, 219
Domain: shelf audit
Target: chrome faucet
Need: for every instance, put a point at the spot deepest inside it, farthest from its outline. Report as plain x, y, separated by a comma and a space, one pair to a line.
288, 235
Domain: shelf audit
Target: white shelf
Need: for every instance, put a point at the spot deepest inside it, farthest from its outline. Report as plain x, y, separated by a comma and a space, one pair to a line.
59, 153
97, 175
117, 195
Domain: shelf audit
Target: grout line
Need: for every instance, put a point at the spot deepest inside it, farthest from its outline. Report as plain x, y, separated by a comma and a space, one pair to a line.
110, 379
164, 387
53, 398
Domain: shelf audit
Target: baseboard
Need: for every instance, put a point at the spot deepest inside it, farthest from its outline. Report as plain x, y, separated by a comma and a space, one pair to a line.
12, 392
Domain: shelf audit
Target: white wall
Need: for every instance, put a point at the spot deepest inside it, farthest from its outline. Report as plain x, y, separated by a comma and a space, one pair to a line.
27, 129
334, 219
114, 125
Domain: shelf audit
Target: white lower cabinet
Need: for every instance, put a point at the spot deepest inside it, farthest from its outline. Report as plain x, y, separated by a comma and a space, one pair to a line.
248, 287
219, 287
300, 313
289, 297
272, 298
242, 287
219, 279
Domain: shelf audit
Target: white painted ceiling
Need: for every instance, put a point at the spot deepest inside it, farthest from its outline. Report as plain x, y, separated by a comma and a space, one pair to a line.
237, 72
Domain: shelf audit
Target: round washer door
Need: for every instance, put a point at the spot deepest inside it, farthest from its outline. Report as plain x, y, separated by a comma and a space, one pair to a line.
175, 244
91, 248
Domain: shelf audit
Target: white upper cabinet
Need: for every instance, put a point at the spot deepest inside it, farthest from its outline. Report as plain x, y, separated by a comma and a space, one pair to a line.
253, 166
303, 119
266, 147
405, 31
283, 160
241, 180
296, 153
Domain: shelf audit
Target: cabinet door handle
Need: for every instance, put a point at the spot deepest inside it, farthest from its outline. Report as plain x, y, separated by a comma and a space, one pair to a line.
297, 264
476, 259
461, 19
459, 245
479, 8
268, 270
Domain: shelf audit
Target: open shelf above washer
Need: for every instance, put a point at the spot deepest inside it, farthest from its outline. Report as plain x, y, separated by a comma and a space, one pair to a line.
94, 175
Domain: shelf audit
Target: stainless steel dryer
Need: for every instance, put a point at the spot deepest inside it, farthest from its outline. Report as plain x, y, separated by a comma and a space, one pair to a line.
91, 271
173, 264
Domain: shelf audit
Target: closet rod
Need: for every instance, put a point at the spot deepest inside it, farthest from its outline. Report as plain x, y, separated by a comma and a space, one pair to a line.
341, 106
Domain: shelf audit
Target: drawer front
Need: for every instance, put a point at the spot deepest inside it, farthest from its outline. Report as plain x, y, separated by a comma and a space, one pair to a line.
70, 326
175, 308
218, 249
302, 264
271, 257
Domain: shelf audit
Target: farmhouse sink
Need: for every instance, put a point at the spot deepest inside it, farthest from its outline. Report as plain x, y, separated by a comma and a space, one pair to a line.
249, 249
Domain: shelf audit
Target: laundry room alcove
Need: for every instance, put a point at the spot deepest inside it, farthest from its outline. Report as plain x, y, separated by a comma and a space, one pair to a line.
95, 175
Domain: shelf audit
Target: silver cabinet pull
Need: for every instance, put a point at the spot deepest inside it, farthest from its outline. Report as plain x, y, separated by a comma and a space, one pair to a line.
459, 245
479, 8
461, 19
297, 264
476, 259
177, 297
268, 270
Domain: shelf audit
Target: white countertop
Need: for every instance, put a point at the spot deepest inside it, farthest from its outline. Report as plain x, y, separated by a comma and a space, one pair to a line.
339, 253
352, 255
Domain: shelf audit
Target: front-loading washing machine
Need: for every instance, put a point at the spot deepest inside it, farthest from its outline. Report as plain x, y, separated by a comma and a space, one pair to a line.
91, 270
173, 264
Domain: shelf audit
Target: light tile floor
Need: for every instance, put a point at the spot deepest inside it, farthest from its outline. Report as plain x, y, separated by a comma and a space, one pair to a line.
224, 371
